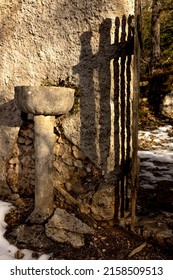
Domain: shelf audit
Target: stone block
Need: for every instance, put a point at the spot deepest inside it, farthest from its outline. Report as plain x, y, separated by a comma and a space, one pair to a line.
65, 227
103, 202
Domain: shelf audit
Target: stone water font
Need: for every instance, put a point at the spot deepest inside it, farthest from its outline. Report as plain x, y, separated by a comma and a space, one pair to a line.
44, 102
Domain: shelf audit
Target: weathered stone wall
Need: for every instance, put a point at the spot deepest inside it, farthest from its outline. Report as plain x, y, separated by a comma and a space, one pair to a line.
76, 178
68, 43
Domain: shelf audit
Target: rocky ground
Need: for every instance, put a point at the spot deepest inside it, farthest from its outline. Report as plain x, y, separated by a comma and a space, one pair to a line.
106, 242
153, 238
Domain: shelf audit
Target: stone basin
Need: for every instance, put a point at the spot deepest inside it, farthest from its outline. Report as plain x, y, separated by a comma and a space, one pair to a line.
44, 100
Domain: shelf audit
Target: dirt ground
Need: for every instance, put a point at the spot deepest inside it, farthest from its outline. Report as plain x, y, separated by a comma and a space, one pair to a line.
106, 243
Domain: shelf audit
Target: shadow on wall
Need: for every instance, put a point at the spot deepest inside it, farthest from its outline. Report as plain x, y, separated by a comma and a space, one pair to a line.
95, 75
9, 114
9, 125
106, 101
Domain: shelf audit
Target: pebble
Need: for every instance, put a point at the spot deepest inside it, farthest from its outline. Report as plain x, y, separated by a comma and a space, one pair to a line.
67, 160
68, 186
26, 161
165, 234
28, 133
78, 164
19, 255
35, 255
21, 140
78, 154
57, 148
88, 169
57, 166
14, 161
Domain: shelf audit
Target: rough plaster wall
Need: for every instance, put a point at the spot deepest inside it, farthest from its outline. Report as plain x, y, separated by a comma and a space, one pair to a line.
42, 38
57, 40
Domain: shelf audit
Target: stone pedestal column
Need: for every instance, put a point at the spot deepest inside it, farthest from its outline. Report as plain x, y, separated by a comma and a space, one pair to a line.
44, 103
44, 142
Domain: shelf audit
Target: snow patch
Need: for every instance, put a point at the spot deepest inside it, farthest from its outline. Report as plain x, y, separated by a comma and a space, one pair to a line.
157, 163
7, 251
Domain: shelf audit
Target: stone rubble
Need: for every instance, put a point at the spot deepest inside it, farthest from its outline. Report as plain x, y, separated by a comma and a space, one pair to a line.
65, 227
